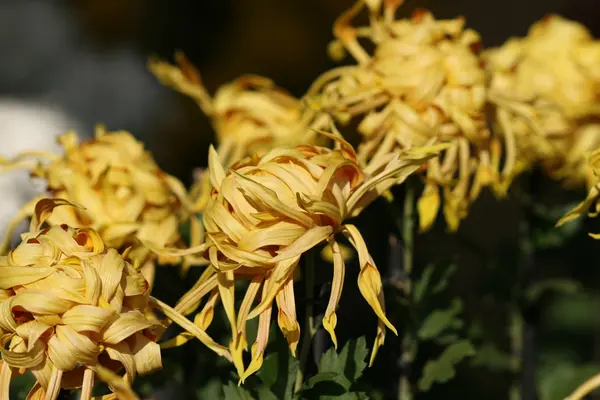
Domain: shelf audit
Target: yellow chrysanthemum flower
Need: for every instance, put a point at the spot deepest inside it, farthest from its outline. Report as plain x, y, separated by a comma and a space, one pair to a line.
264, 213
545, 88
73, 310
250, 115
423, 84
125, 195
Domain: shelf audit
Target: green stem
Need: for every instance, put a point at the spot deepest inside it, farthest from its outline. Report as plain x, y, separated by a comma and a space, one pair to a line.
405, 391
516, 345
522, 328
309, 280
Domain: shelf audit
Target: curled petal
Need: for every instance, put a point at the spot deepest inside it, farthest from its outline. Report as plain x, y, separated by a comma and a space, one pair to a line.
26, 359
146, 355
124, 325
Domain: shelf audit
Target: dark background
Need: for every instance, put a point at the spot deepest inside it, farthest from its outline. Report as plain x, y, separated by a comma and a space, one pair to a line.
87, 57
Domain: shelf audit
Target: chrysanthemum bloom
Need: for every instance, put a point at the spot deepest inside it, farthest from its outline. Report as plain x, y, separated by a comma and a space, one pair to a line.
265, 212
73, 310
249, 115
127, 198
422, 84
592, 200
545, 88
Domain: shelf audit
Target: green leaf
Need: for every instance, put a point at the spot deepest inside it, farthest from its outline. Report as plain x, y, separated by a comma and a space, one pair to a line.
211, 390
429, 282
447, 339
444, 280
319, 378
420, 286
564, 286
489, 356
440, 320
338, 372
353, 356
235, 392
278, 372
561, 379
20, 385
442, 369
573, 313
265, 394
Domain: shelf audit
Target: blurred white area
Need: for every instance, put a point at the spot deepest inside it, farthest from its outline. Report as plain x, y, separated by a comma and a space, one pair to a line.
26, 126
47, 56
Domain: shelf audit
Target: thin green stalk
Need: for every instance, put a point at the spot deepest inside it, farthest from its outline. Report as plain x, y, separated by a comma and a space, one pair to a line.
516, 346
522, 329
405, 391
309, 280
528, 354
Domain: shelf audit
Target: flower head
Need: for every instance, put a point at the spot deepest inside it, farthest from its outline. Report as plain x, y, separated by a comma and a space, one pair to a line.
422, 84
71, 310
124, 194
250, 115
265, 212
545, 88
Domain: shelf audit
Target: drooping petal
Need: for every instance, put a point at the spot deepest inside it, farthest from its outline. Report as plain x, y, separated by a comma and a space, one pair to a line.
273, 284
262, 338
369, 280
146, 354
330, 317
190, 327
117, 384
286, 316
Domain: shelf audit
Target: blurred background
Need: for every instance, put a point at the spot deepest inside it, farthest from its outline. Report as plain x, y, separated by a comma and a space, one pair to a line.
74, 63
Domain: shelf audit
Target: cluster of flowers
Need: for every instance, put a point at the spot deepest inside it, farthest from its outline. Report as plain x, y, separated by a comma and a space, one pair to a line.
74, 294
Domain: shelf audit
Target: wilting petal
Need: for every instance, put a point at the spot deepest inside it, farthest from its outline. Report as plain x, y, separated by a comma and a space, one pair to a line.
369, 280
581, 208
116, 383
273, 283
146, 354
191, 300
202, 320
395, 173
190, 327
330, 318
307, 241
286, 317
43, 210
428, 206
262, 338
122, 353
